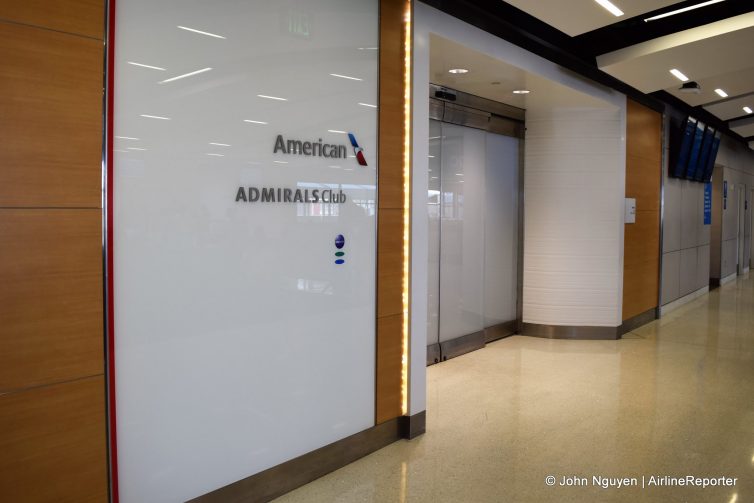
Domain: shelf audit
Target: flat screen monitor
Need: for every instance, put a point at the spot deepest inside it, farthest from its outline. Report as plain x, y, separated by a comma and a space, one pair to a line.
712, 156
682, 154
701, 166
696, 148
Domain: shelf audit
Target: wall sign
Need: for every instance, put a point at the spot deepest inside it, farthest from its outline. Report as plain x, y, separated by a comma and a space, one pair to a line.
244, 184
707, 203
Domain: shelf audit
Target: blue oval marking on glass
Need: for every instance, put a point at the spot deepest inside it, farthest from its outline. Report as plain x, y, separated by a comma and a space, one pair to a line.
340, 261
340, 241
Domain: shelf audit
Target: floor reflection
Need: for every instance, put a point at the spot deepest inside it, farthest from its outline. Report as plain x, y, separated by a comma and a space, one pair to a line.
673, 398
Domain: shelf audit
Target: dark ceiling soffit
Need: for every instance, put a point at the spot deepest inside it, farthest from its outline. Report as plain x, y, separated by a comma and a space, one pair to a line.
519, 28
698, 113
746, 121
749, 138
734, 119
635, 30
726, 100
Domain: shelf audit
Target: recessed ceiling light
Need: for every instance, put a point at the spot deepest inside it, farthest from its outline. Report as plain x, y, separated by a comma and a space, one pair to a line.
685, 9
615, 11
721, 93
216, 155
336, 131
367, 105
748, 111
680, 76
521, 91
155, 117
458, 70
254, 122
127, 138
219, 144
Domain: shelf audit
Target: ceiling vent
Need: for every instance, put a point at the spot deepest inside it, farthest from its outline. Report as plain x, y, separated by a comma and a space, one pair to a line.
690, 88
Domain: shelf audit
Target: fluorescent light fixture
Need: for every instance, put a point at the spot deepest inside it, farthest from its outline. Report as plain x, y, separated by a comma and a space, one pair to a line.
254, 122
155, 117
185, 75
721, 93
521, 91
434, 178
434, 137
200, 32
458, 70
336, 131
348, 169
272, 97
124, 151
126, 138
281, 162
146, 66
336, 167
431, 157
135, 148
216, 155
685, 9
367, 105
748, 111
345, 77
368, 48
219, 144
459, 174
680, 76
615, 11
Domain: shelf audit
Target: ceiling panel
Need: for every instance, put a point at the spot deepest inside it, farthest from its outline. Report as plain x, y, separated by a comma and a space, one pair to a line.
734, 83
732, 108
575, 17
704, 52
745, 131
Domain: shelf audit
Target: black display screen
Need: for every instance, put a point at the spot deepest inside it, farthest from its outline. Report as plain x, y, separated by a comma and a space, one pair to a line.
712, 156
701, 166
682, 157
696, 148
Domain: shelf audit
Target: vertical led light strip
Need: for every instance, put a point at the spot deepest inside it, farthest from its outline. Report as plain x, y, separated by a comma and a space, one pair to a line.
406, 203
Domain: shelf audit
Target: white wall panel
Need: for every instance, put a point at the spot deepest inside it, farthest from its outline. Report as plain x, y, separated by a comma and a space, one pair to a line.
574, 182
240, 344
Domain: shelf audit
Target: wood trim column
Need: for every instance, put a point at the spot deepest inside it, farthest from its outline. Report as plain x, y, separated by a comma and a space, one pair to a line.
392, 209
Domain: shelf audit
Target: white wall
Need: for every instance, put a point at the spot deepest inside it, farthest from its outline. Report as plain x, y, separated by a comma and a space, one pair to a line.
738, 163
239, 343
429, 20
573, 241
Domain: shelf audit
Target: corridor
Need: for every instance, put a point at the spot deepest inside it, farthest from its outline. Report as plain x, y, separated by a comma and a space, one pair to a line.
674, 398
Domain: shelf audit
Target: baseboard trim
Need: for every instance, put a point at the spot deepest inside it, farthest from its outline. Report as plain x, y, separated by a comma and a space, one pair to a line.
714, 283
570, 332
497, 332
637, 321
285, 477
672, 306
433, 354
462, 345
728, 279
413, 426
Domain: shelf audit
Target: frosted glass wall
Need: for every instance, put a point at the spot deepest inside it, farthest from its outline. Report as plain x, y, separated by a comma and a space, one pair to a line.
473, 230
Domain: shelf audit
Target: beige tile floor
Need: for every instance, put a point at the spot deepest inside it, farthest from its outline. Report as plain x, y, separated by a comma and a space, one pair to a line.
675, 398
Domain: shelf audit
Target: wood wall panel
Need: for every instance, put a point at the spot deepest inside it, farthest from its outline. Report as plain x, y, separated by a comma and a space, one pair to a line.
390, 263
51, 296
52, 446
80, 17
641, 267
51, 107
390, 205
389, 367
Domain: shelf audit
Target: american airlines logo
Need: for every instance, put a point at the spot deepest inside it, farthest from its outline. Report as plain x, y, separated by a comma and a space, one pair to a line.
319, 149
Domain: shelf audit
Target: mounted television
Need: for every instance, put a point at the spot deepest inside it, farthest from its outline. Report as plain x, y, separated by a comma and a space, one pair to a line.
678, 169
696, 150
711, 158
701, 165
